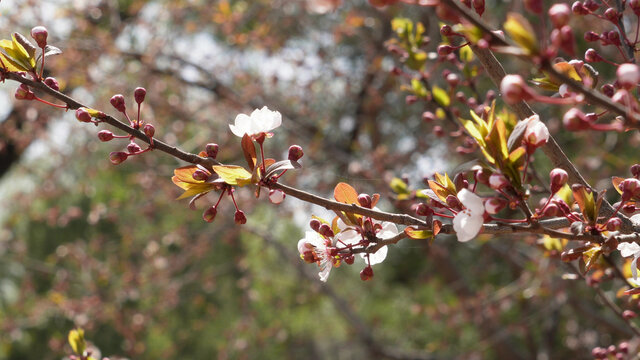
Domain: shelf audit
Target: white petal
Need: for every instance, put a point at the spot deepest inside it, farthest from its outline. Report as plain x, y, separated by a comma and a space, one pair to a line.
634, 268
388, 231
378, 256
302, 246
628, 249
242, 125
349, 236
467, 225
314, 239
471, 201
325, 269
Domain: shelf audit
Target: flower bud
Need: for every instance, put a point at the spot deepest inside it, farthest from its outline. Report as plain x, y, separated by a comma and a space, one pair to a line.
623, 347
424, 210
635, 6
39, 34
83, 115
314, 224
428, 116
444, 50
608, 90
212, 150
558, 178
117, 157
514, 89
349, 258
133, 148
325, 230
578, 9
52, 83
117, 101
200, 175
295, 153
410, 99
210, 214
574, 120
494, 205
635, 170
149, 130
24, 93
628, 75
592, 56
559, 15
446, 30
614, 224
591, 5
138, 94
453, 202
453, 80
105, 135
536, 133
630, 188
239, 218
276, 196
364, 200
612, 15
613, 37
629, 314
535, 6
552, 210
478, 6
498, 181
366, 273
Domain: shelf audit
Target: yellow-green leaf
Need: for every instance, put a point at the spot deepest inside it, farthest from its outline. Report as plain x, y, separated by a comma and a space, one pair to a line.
398, 186
76, 340
440, 96
521, 31
418, 88
233, 174
473, 132
418, 234
466, 54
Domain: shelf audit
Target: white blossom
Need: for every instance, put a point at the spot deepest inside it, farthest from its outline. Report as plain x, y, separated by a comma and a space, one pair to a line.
631, 249
260, 121
320, 247
350, 236
536, 133
468, 222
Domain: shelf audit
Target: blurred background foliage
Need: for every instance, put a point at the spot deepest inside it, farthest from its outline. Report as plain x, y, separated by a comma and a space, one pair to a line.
84, 243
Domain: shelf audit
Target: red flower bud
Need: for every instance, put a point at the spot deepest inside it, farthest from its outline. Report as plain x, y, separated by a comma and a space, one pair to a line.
612, 15
630, 188
24, 93
240, 218
478, 6
200, 175
295, 153
591, 5
614, 224
210, 214
635, 6
446, 30
105, 135
453, 80
212, 150
514, 89
494, 205
608, 90
149, 130
364, 200
444, 50
552, 210
133, 148
535, 6
83, 115
117, 157
314, 224
629, 314
325, 230
366, 273
117, 101
579, 9
559, 15
39, 34
498, 181
558, 178
52, 83
428, 116
628, 75
574, 120
276, 196
592, 56
139, 94
349, 258
635, 170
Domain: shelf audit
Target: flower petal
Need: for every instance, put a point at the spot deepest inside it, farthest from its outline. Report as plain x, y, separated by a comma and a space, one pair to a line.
378, 256
467, 225
349, 236
471, 201
634, 267
628, 249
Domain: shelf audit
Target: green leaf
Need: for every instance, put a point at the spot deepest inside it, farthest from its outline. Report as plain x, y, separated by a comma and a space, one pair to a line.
76, 340
440, 96
233, 175
418, 234
521, 31
473, 132
398, 186
418, 88
466, 54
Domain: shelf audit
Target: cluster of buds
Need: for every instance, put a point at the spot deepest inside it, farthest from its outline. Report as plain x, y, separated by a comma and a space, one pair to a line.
118, 102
